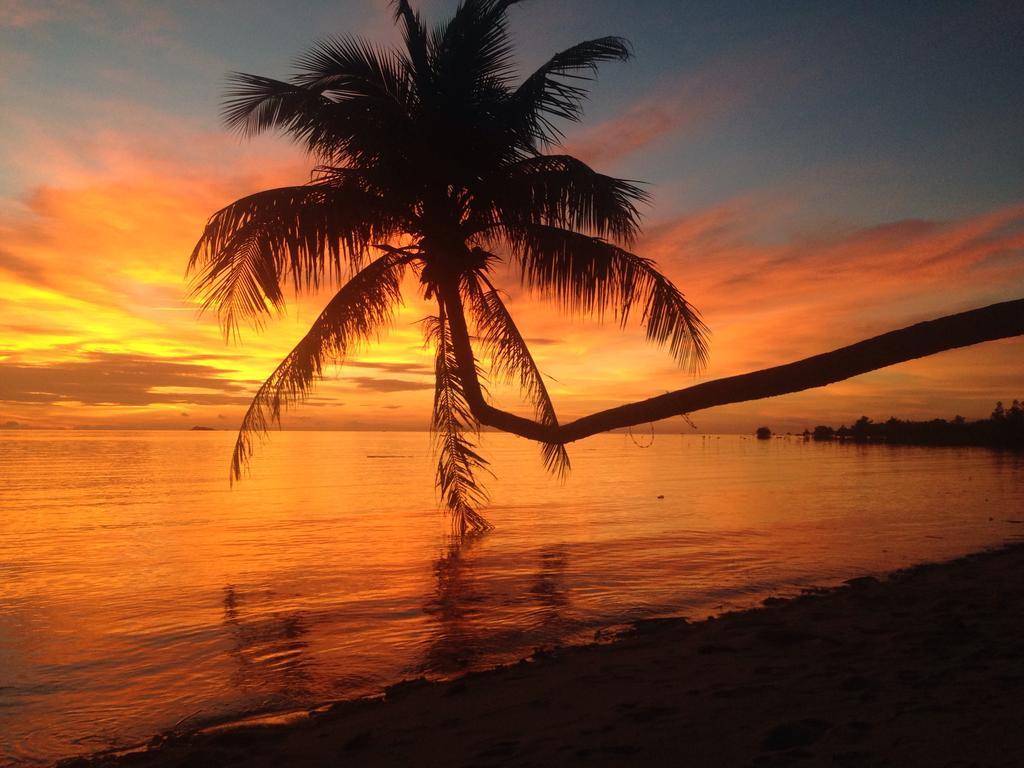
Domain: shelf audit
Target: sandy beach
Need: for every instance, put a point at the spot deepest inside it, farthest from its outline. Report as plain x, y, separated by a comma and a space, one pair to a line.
923, 667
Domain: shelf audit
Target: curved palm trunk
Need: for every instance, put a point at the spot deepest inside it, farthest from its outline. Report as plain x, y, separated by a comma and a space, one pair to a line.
997, 321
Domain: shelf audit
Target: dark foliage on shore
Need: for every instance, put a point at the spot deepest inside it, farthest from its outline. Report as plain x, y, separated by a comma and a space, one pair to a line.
1003, 429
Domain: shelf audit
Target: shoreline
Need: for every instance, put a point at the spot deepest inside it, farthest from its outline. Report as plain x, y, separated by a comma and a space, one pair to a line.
924, 666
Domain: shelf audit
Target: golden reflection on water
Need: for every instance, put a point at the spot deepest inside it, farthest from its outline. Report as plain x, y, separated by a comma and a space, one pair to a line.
138, 591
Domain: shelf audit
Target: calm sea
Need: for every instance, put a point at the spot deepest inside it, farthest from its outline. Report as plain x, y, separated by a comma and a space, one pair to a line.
139, 592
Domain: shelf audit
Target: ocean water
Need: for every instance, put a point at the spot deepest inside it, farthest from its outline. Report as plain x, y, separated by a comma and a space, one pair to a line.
139, 592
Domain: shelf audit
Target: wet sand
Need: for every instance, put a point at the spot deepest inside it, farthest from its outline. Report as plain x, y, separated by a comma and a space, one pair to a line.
922, 668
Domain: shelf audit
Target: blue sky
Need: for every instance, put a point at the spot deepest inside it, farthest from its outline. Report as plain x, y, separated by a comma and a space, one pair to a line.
919, 102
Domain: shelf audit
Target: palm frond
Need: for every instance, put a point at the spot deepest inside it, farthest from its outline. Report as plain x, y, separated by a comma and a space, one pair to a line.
357, 313
254, 104
415, 41
472, 51
561, 191
512, 361
304, 234
588, 275
357, 125
556, 89
349, 67
457, 460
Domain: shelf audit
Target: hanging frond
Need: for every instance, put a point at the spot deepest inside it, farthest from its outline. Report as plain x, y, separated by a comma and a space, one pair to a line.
511, 361
560, 191
555, 90
306, 235
457, 460
357, 313
590, 276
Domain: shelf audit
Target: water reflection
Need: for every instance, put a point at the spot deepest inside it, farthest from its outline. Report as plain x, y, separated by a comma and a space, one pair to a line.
485, 604
269, 651
137, 588
453, 606
549, 585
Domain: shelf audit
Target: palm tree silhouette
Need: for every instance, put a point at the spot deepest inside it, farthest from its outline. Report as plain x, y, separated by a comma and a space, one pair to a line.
433, 157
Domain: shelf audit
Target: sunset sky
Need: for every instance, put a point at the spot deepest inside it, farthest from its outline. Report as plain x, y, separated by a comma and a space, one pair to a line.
820, 174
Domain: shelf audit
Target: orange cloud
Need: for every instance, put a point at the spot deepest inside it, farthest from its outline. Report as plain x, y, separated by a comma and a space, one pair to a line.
92, 264
91, 281
899, 267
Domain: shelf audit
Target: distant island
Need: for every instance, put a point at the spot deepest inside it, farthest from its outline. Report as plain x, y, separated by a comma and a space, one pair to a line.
1003, 429
203, 429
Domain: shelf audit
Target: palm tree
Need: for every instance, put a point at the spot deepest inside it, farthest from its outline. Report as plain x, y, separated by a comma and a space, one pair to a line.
432, 158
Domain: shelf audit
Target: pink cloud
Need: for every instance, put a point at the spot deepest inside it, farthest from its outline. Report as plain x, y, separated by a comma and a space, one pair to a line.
113, 17
770, 303
687, 102
21, 14
645, 123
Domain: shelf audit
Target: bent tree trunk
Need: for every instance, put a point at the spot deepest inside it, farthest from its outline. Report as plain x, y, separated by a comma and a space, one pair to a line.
997, 321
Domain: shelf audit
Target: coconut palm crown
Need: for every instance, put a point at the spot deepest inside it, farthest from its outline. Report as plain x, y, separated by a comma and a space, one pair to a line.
433, 158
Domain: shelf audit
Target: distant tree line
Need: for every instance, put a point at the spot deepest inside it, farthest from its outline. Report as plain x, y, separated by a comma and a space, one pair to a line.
1004, 429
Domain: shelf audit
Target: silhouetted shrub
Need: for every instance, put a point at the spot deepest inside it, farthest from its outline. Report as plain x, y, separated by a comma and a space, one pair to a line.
821, 432
1003, 429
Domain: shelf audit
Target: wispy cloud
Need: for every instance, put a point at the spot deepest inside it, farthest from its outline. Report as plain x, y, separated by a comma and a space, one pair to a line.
21, 268
121, 17
648, 121
116, 379
388, 385
687, 102
392, 367
909, 260
22, 14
